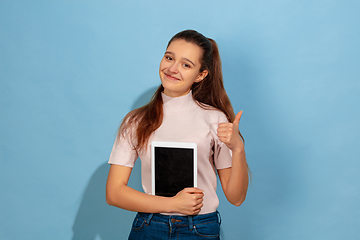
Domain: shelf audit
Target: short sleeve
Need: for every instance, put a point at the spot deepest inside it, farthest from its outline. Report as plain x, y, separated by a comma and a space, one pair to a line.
222, 154
123, 152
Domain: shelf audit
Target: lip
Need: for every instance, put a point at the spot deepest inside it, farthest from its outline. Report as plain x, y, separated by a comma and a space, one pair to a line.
171, 77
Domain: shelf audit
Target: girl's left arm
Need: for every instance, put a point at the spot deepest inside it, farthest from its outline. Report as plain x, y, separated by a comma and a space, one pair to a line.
234, 180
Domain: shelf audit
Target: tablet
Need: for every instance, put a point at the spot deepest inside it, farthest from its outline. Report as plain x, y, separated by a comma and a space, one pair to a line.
173, 167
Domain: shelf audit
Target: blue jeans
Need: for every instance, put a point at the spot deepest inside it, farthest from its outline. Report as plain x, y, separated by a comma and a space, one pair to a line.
158, 226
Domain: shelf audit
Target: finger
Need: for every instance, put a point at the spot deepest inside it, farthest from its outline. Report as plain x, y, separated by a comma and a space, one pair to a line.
193, 190
223, 134
226, 128
196, 202
198, 207
196, 193
224, 139
194, 212
199, 201
237, 118
197, 196
224, 131
224, 125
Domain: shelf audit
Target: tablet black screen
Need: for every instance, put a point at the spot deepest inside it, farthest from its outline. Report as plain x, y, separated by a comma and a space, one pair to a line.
174, 170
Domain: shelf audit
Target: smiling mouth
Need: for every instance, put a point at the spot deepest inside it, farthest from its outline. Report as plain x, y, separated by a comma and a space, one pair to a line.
171, 77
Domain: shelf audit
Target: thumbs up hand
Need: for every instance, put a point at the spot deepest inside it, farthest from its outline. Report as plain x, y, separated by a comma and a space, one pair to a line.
228, 133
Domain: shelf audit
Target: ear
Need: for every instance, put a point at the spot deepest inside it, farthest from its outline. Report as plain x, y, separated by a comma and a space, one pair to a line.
201, 76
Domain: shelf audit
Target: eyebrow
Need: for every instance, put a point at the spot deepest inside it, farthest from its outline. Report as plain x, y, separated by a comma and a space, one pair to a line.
186, 59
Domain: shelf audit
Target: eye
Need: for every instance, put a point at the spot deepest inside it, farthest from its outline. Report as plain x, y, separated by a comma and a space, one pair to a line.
186, 65
168, 58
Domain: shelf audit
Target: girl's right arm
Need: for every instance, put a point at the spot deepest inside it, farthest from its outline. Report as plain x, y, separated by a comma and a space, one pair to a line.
118, 194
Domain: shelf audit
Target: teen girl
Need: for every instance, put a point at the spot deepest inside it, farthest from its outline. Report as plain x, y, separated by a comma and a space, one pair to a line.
190, 105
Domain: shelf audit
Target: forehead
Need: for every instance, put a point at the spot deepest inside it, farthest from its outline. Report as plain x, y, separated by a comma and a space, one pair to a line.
183, 49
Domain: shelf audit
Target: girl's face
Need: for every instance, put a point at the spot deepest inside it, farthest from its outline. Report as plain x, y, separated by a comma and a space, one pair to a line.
180, 68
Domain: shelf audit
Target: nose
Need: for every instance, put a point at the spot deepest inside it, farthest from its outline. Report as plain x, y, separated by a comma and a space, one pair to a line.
174, 68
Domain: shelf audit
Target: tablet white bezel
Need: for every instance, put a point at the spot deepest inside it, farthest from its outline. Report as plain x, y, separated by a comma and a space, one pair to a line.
186, 145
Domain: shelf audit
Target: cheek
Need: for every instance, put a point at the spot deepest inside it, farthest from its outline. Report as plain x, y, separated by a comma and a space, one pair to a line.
193, 76
163, 64
162, 67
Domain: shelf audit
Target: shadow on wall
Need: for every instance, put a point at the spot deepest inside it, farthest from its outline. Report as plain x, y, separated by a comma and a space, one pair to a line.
97, 220
277, 191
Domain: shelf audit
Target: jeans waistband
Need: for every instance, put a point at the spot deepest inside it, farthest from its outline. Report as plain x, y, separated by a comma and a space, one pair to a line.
182, 220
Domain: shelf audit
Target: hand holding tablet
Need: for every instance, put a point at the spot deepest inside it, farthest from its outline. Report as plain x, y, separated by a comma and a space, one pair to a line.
189, 201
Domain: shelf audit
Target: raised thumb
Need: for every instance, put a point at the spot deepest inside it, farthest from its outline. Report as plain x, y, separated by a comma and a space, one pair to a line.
237, 118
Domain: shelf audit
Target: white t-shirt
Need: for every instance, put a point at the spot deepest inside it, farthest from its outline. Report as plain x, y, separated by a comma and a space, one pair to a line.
183, 121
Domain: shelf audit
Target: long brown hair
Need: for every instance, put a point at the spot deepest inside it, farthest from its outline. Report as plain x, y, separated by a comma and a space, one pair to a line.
210, 92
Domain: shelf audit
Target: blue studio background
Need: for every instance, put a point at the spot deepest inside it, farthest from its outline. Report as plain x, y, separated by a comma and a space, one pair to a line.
71, 70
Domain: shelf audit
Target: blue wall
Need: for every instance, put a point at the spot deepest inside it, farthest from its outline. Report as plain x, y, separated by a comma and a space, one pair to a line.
70, 71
